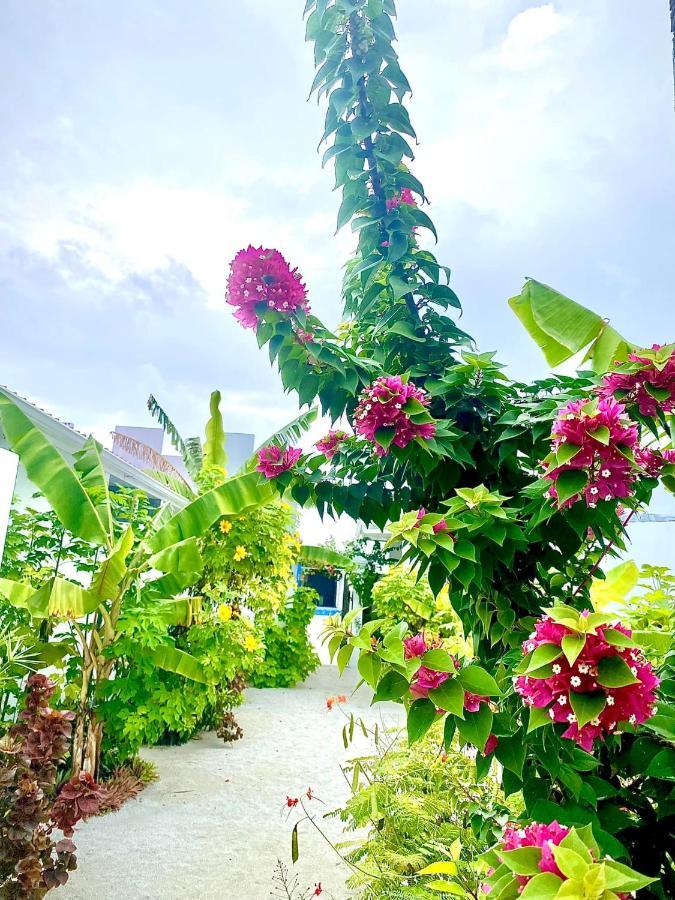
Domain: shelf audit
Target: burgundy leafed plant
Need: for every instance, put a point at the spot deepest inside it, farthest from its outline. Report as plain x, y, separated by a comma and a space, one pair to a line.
32, 859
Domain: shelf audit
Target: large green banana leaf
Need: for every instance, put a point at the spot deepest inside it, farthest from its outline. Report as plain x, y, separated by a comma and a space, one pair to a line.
561, 327
234, 496
214, 447
177, 485
89, 466
15, 592
173, 660
62, 598
52, 475
323, 556
169, 585
106, 581
289, 434
184, 556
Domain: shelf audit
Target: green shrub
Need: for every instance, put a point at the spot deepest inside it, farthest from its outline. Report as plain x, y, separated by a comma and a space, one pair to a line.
419, 806
289, 655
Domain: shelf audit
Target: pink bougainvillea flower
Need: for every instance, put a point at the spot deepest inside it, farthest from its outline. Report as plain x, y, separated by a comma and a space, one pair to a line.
406, 197
652, 461
381, 406
425, 680
415, 645
536, 835
631, 704
438, 528
304, 337
273, 460
330, 443
472, 702
262, 275
491, 745
603, 435
644, 380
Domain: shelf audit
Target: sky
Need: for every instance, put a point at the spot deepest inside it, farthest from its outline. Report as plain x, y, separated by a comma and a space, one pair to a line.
145, 143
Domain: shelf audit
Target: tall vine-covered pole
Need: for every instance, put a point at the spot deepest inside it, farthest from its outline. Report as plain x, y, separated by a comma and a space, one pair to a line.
506, 494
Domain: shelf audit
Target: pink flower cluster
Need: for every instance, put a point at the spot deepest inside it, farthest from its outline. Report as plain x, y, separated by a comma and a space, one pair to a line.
381, 406
406, 197
273, 460
632, 704
652, 461
261, 275
330, 443
426, 679
609, 472
440, 527
641, 382
536, 835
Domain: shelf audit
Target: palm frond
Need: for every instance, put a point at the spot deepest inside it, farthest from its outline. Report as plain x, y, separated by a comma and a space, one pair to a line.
177, 485
168, 427
142, 453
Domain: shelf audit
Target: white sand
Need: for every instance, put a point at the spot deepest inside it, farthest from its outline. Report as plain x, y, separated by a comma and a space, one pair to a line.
212, 826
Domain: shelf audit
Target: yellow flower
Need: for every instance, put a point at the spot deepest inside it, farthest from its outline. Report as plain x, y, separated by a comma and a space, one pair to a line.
250, 643
225, 526
224, 612
240, 553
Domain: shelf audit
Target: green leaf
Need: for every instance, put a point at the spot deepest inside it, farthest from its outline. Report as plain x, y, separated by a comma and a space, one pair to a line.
369, 668
478, 681
600, 434
443, 867
421, 716
180, 558
231, 498
384, 436
63, 599
613, 672
450, 697
295, 852
16, 593
392, 686
214, 447
106, 581
439, 661
289, 434
522, 861
571, 864
407, 330
173, 660
475, 728
572, 645
617, 638
587, 707
537, 718
542, 656
544, 886
323, 556
52, 475
569, 483
625, 879
446, 887
89, 467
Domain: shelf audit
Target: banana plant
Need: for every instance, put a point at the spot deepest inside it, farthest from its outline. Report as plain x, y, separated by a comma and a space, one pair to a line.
562, 328
159, 564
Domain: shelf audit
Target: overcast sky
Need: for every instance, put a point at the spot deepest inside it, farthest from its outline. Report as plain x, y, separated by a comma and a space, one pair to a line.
145, 142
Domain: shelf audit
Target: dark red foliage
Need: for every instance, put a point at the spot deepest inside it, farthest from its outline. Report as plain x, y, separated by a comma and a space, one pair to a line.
31, 861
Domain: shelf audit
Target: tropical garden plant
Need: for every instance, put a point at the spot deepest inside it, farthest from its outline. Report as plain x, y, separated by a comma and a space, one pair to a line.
509, 495
153, 565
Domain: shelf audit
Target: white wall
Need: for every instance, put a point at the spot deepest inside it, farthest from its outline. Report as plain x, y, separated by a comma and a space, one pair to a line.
8, 465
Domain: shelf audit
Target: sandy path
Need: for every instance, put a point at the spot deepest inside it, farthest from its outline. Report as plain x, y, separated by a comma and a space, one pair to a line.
212, 826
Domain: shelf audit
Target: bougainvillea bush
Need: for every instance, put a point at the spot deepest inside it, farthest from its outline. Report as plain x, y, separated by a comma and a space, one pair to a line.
509, 495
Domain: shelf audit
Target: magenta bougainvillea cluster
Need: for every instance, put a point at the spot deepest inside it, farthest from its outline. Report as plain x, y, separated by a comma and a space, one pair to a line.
386, 404
273, 460
592, 682
646, 380
545, 837
260, 275
593, 438
330, 443
405, 198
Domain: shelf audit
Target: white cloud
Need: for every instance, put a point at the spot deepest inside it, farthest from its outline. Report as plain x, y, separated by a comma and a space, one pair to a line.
528, 38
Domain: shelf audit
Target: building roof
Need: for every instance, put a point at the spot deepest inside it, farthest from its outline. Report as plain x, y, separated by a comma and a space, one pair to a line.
68, 440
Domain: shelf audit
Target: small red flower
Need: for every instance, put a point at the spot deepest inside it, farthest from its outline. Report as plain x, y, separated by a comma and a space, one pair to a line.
318, 890
291, 802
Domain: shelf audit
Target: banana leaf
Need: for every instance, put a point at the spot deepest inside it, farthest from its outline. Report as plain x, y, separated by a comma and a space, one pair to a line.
15, 592
214, 447
106, 581
62, 598
182, 557
173, 660
323, 556
52, 475
234, 496
89, 467
561, 327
